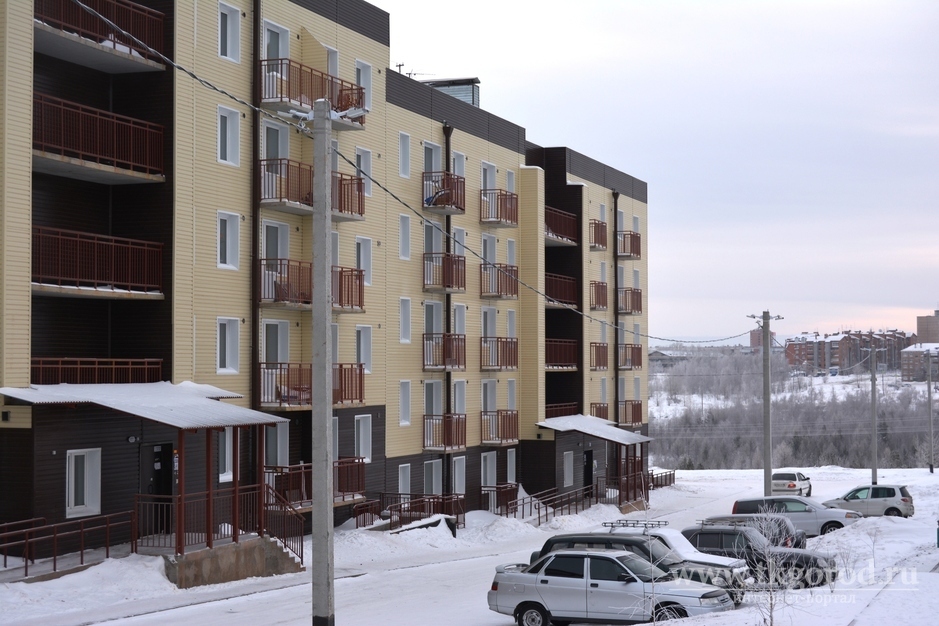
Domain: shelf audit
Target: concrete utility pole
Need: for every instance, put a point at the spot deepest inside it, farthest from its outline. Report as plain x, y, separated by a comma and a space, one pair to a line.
767, 398
321, 384
873, 412
932, 445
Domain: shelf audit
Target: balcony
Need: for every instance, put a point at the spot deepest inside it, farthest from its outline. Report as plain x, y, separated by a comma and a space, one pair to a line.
560, 227
348, 290
286, 282
599, 356
560, 354
64, 30
498, 280
76, 264
629, 356
562, 409
561, 291
294, 483
348, 383
498, 353
444, 272
498, 208
444, 193
84, 143
348, 197
600, 409
288, 385
445, 433
597, 235
45, 371
627, 244
629, 301
499, 428
444, 352
630, 413
598, 295
287, 186
290, 86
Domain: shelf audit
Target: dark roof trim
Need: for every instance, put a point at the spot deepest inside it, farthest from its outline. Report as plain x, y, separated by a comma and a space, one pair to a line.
588, 169
356, 15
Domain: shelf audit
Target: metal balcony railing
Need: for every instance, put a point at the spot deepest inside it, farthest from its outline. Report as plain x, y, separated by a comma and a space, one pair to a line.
444, 193
288, 181
629, 356
560, 225
348, 383
561, 409
445, 433
629, 301
348, 289
598, 295
289, 384
499, 428
628, 244
498, 207
348, 195
560, 353
561, 289
597, 235
294, 483
498, 280
76, 259
599, 356
498, 353
600, 409
77, 131
444, 351
51, 371
286, 281
444, 271
289, 82
630, 412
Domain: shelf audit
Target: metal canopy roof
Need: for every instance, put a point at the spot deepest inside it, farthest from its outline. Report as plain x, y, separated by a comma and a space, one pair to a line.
595, 427
187, 406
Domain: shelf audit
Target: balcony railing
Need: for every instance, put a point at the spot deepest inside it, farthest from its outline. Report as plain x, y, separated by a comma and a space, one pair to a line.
444, 351
560, 353
560, 225
561, 409
284, 181
46, 371
286, 281
444, 193
444, 271
289, 384
599, 356
348, 383
294, 483
498, 280
348, 289
629, 301
499, 428
597, 235
76, 131
445, 433
600, 409
498, 353
498, 207
630, 412
628, 244
561, 289
75, 259
290, 83
598, 295
144, 24
348, 196
629, 356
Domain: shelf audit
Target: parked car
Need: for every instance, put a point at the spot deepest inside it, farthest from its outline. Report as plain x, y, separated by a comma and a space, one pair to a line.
791, 483
791, 567
609, 587
870, 500
680, 545
779, 529
805, 514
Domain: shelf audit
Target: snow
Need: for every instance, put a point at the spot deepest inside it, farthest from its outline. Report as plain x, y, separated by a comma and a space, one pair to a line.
427, 576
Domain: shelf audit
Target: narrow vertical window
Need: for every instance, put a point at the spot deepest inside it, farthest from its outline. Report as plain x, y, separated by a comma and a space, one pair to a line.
363, 437
228, 122
363, 258
363, 78
404, 155
404, 237
404, 314
228, 227
83, 482
363, 347
363, 168
404, 403
227, 347
568, 469
229, 32
225, 454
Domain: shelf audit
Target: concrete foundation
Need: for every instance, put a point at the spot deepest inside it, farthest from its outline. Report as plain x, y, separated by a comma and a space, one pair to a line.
234, 561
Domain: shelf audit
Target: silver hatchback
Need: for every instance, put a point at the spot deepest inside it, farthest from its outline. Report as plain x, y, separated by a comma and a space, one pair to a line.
872, 500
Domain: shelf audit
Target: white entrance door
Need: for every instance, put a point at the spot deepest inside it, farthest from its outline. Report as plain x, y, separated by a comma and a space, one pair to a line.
488, 478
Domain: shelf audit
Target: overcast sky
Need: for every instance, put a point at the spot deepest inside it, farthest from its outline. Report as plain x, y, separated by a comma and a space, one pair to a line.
791, 148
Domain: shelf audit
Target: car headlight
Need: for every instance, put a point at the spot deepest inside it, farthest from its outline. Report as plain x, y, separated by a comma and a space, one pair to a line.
852, 515
712, 598
719, 581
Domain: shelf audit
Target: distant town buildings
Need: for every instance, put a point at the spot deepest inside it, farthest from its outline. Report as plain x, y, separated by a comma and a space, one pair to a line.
927, 327
913, 362
846, 351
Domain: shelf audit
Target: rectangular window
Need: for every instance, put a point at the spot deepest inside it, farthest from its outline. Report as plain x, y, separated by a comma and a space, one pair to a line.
510, 465
228, 121
276, 439
510, 181
568, 469
459, 474
363, 168
83, 486
404, 403
459, 241
227, 346
225, 455
404, 478
404, 155
404, 237
404, 314
363, 258
228, 227
229, 32
276, 41
363, 437
363, 78
433, 477
459, 164
363, 347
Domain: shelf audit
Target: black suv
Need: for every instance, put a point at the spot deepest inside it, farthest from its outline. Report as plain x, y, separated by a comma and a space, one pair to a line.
788, 566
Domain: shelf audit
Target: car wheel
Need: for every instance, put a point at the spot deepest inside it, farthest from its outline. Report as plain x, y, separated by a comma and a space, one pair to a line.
892, 512
809, 493
801, 493
532, 615
737, 597
830, 527
669, 611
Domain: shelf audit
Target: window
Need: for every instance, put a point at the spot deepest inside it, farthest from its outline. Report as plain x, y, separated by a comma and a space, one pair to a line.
404, 314
227, 347
510, 181
276, 41
363, 168
276, 440
606, 569
225, 454
404, 237
363, 347
228, 240
510, 323
459, 241
459, 164
510, 465
510, 252
404, 403
404, 155
275, 341
363, 437
228, 120
404, 478
363, 258
459, 474
566, 567
433, 477
487, 176
83, 486
568, 469
229, 32
363, 78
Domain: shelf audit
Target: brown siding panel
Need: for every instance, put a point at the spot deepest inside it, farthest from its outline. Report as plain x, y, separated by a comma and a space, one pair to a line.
356, 15
16, 475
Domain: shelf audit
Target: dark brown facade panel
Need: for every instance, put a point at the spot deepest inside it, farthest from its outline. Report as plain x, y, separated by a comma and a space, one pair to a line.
536, 465
356, 15
16, 474
69, 328
583, 167
70, 204
71, 82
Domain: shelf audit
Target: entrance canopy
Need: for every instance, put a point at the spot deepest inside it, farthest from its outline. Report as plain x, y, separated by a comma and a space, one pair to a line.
595, 427
187, 406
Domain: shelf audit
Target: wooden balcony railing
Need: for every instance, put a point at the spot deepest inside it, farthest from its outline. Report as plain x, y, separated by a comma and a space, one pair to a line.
144, 24
498, 280
599, 356
598, 295
444, 351
76, 259
597, 235
348, 289
498, 353
444, 271
46, 371
629, 356
289, 82
76, 131
286, 281
289, 384
348, 195
562, 289
498, 207
560, 225
444, 193
560, 353
630, 412
628, 244
561, 409
288, 181
629, 300
445, 433
499, 428
600, 409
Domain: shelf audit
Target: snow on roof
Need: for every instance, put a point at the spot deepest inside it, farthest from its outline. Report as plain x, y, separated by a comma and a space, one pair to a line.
921, 347
594, 426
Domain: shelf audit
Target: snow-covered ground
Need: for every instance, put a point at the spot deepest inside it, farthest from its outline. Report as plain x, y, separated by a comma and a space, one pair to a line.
429, 577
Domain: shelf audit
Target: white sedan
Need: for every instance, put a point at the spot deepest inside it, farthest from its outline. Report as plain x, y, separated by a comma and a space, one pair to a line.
788, 483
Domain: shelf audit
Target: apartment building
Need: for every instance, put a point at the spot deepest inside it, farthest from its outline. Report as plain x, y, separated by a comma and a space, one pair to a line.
489, 295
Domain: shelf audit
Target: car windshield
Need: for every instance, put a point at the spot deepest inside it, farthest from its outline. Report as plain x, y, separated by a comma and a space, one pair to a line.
905, 493
643, 570
661, 555
757, 541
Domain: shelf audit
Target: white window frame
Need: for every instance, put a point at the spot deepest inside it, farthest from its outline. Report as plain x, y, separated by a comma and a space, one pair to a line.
404, 237
510, 181
404, 403
487, 170
510, 465
459, 241
459, 474
230, 223
284, 52
91, 504
568, 469
363, 437
232, 329
404, 316
363, 258
225, 464
459, 164
283, 140
363, 347
510, 252
363, 75
363, 168
283, 339
510, 326
436, 475
603, 390
404, 478
232, 135
404, 155
232, 33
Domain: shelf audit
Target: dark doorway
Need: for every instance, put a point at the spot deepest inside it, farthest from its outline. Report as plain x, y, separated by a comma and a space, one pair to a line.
156, 479
588, 468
